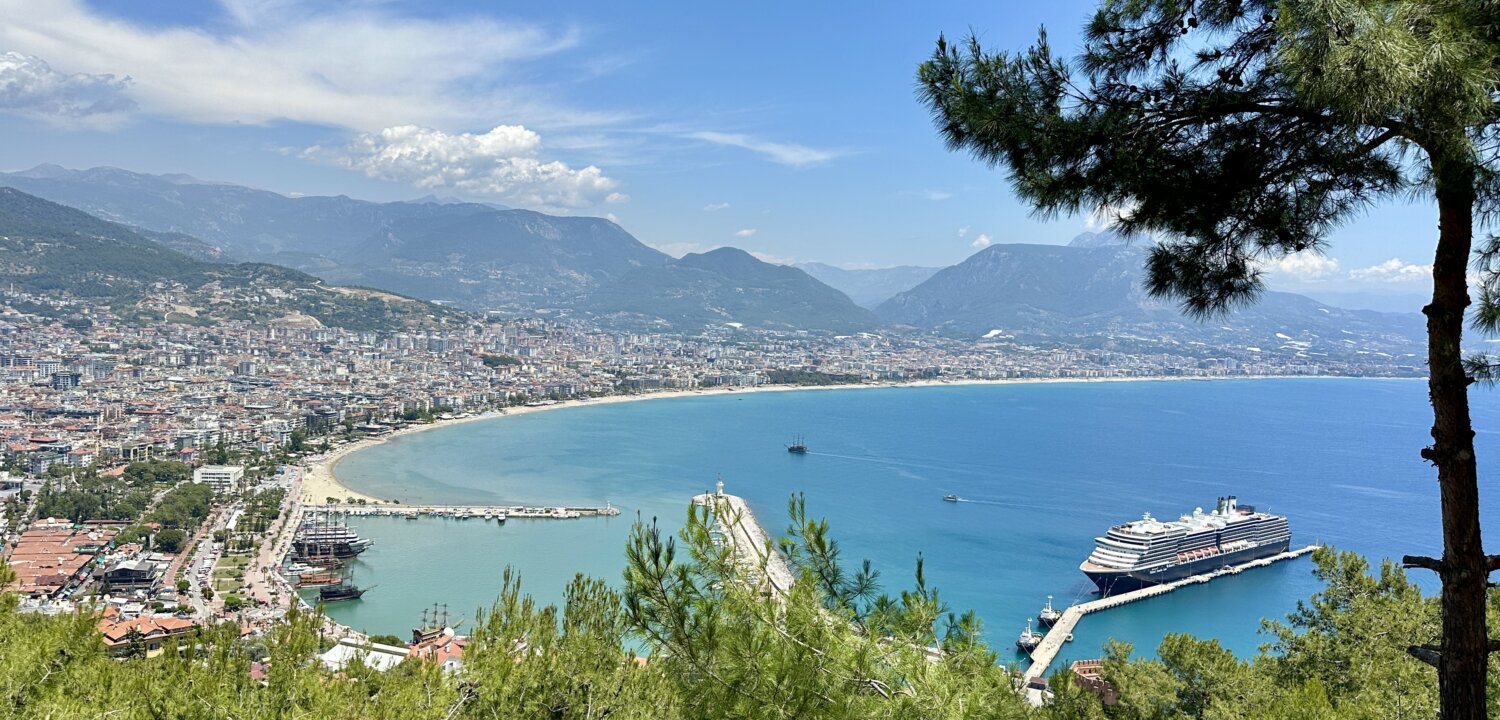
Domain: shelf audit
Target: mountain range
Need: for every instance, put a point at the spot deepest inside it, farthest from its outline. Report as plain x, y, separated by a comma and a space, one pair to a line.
869, 288
57, 251
472, 255
517, 262
1093, 287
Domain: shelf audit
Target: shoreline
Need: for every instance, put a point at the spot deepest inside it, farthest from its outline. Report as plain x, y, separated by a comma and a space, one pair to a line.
320, 480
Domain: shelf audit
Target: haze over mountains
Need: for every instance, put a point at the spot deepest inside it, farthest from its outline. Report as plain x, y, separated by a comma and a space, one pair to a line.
57, 251
869, 287
1093, 286
487, 258
475, 256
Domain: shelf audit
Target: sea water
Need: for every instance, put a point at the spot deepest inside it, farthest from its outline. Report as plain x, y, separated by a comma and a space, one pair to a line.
1043, 469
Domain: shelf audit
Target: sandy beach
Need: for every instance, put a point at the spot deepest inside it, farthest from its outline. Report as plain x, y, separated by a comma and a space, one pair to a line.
320, 483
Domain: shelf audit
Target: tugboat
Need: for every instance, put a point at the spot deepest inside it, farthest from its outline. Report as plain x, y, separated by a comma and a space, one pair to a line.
1048, 616
952, 498
798, 446
1028, 639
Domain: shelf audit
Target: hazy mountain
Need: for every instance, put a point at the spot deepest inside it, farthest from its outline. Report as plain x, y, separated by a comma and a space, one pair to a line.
1095, 288
511, 259
51, 249
1400, 302
477, 255
726, 285
869, 288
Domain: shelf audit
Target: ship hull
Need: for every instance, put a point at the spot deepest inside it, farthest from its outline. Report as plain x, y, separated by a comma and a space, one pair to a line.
342, 551
1121, 581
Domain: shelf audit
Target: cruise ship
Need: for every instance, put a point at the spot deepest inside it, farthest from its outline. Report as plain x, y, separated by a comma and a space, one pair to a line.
1150, 551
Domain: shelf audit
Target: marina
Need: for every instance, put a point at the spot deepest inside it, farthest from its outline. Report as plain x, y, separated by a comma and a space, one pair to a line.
500, 513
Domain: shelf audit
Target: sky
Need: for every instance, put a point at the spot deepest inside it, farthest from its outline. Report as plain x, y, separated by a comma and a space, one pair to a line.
788, 129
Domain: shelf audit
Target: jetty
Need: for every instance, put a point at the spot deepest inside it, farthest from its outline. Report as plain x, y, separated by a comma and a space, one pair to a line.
744, 534
1062, 631
468, 512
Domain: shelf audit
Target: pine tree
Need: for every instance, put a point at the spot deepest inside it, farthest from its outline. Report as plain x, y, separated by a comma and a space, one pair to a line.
1242, 131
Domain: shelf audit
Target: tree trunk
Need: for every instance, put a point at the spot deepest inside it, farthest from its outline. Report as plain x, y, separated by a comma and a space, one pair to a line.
1463, 664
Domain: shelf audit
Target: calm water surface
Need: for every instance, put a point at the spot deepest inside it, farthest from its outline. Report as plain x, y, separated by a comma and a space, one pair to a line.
1044, 467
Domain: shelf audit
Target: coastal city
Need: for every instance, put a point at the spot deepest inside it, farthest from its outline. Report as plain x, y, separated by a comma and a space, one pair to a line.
443, 360
109, 426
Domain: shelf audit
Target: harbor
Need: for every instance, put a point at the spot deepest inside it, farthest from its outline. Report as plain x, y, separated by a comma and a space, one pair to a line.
733, 519
469, 512
1062, 631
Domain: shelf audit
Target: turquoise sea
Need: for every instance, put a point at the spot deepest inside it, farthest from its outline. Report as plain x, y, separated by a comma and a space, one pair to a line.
1044, 467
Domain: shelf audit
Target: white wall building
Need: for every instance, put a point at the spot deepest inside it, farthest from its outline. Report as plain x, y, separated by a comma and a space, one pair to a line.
222, 478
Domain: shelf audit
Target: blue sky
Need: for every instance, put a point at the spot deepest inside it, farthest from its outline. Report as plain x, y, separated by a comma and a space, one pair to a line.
789, 129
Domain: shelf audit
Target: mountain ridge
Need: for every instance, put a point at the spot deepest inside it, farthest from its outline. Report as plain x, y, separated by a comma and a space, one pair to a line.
58, 251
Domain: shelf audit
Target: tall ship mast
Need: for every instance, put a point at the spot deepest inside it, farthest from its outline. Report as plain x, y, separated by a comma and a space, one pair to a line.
1149, 551
321, 538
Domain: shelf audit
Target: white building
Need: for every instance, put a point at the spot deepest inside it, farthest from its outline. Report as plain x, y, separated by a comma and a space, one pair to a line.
375, 655
222, 478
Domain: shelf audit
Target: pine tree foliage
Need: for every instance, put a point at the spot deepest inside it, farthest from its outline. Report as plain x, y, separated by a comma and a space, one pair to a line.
715, 644
1240, 132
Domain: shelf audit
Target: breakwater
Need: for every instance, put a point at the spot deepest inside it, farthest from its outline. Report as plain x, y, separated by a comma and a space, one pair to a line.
748, 539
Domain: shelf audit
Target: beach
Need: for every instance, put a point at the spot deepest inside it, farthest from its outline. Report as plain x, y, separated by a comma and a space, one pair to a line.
321, 481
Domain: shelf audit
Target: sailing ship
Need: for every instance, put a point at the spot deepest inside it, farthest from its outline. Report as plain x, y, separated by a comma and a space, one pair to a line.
798, 446
341, 591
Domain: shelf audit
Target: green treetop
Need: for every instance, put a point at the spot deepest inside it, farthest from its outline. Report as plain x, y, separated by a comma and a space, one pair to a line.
1237, 132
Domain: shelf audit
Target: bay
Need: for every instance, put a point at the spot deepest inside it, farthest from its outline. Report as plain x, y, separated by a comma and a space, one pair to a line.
1044, 468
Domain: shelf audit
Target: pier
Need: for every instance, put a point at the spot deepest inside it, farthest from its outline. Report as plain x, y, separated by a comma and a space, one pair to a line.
469, 512
1062, 630
747, 538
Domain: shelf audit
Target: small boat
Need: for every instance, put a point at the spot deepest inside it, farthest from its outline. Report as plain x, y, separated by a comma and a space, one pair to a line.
798, 446
1048, 616
952, 498
500, 517
1029, 639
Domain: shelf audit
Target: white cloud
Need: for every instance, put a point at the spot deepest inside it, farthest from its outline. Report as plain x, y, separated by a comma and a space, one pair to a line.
360, 66
612, 218
747, 232
782, 153
715, 207
501, 163
981, 242
617, 198
1306, 267
1394, 270
30, 87
963, 231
